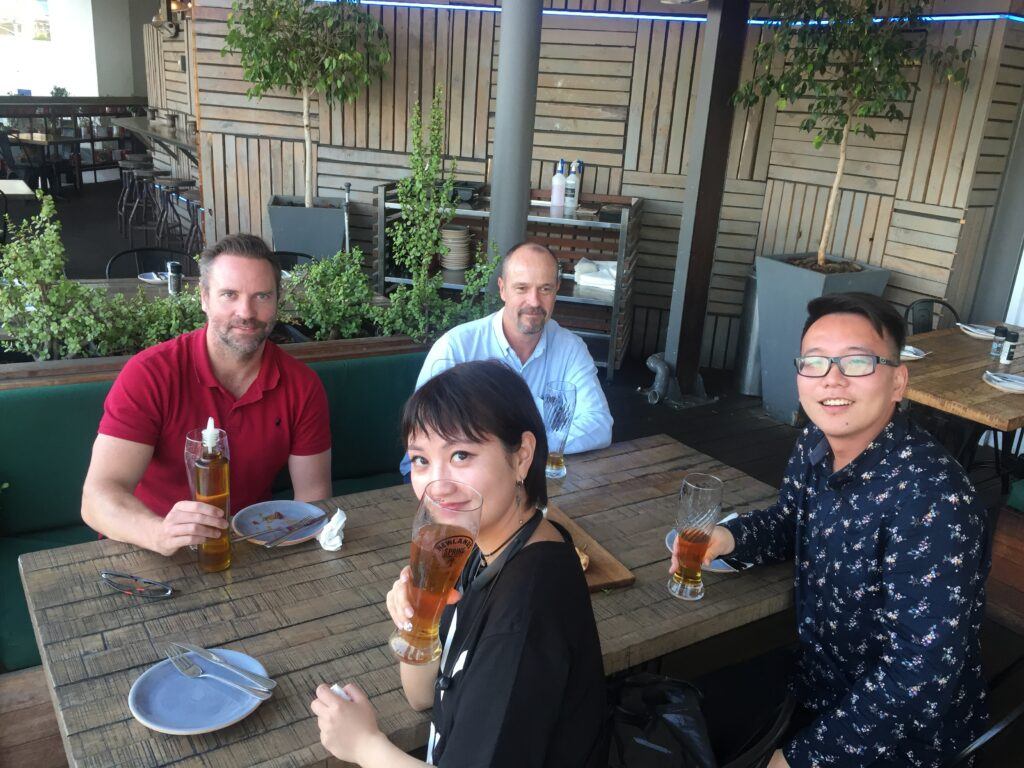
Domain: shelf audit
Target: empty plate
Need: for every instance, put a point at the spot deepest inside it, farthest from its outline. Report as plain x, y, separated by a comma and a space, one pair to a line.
153, 278
271, 515
166, 701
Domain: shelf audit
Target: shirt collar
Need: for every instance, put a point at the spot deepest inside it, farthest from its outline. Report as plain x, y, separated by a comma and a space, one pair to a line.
267, 378
884, 443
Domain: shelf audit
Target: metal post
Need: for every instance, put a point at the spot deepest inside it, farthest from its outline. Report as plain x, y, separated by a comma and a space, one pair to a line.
722, 52
518, 63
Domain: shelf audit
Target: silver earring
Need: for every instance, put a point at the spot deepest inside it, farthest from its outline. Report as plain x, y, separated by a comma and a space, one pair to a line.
519, 492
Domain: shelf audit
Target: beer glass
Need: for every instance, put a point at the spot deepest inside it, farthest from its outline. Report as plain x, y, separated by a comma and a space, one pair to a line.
700, 509
443, 534
559, 400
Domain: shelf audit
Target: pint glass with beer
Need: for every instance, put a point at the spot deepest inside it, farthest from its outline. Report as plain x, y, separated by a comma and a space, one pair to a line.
700, 509
559, 400
443, 534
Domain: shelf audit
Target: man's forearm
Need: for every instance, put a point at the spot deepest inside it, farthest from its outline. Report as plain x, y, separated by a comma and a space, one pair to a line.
114, 512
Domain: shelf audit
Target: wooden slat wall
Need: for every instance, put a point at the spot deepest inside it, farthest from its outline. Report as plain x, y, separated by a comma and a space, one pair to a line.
619, 95
169, 88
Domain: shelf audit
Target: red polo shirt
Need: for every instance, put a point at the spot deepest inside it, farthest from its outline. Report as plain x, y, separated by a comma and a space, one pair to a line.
167, 390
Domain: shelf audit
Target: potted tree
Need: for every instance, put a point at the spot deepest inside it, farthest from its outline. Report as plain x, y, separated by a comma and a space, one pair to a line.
333, 50
850, 60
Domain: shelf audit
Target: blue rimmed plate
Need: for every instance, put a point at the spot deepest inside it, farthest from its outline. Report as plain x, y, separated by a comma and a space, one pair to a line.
165, 700
270, 515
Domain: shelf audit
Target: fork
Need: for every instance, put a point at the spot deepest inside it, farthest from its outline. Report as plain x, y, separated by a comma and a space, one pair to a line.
189, 668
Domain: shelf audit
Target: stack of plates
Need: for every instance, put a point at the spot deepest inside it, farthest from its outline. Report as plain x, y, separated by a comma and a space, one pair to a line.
457, 239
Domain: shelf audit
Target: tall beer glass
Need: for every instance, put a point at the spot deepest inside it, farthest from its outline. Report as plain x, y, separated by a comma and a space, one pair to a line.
700, 509
559, 407
443, 533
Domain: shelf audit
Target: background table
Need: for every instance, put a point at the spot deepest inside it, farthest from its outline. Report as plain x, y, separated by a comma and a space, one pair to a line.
312, 616
16, 189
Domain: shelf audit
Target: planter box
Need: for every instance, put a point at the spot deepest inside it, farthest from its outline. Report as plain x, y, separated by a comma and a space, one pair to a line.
783, 292
318, 231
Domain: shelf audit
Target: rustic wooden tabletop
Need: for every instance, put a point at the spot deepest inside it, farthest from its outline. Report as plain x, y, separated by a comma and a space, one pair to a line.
312, 616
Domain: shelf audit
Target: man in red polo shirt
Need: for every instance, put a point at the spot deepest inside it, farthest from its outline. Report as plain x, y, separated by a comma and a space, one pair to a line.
273, 408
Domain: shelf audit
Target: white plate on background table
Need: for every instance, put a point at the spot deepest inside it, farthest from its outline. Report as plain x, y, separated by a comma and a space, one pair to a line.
268, 515
165, 700
154, 278
912, 353
718, 565
1011, 383
986, 332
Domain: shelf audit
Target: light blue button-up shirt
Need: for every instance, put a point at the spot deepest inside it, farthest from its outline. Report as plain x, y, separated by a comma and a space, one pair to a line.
560, 355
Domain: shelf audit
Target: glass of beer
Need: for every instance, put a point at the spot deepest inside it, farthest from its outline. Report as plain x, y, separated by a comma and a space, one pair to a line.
443, 534
700, 509
559, 400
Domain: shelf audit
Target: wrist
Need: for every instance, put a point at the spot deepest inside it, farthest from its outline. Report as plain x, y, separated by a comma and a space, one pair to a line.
372, 749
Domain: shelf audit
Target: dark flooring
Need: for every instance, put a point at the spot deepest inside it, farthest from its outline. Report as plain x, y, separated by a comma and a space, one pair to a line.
732, 429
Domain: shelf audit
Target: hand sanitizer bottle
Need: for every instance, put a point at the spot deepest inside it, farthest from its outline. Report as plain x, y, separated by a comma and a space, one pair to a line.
572, 185
558, 189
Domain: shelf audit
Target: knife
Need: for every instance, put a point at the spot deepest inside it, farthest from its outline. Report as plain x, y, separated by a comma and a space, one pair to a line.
263, 682
306, 521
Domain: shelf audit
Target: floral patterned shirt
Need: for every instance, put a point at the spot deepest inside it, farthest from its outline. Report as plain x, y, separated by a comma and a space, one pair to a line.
891, 556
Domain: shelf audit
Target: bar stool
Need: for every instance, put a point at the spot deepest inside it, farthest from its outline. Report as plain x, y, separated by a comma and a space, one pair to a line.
145, 205
168, 221
196, 215
127, 196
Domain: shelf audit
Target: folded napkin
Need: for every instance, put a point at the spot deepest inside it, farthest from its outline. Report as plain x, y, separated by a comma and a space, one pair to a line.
596, 274
332, 535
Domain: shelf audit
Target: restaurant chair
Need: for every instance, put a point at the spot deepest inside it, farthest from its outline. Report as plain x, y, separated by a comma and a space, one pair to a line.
127, 196
135, 261
146, 206
23, 169
168, 220
920, 315
291, 259
1007, 707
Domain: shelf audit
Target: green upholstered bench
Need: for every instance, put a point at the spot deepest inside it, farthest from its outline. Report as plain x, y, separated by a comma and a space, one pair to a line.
46, 444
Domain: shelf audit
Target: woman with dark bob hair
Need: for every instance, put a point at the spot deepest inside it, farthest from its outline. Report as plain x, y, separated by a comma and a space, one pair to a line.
520, 681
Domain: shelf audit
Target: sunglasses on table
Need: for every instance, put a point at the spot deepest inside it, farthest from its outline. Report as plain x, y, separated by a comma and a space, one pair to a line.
818, 366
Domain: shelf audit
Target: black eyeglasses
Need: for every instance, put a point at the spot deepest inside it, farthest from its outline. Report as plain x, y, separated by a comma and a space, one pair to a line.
818, 366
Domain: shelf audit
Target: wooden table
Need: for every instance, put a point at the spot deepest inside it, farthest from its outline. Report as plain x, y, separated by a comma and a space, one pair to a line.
16, 189
949, 379
129, 286
312, 616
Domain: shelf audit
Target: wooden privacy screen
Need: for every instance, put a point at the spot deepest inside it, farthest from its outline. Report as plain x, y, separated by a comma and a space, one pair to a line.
619, 95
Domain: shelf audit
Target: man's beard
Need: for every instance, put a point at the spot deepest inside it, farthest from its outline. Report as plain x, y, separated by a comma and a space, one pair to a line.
524, 316
244, 347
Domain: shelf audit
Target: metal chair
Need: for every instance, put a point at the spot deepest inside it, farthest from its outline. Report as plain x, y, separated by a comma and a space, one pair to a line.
196, 218
148, 259
291, 259
168, 220
921, 313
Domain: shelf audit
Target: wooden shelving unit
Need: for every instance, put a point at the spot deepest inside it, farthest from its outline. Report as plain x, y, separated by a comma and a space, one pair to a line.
602, 318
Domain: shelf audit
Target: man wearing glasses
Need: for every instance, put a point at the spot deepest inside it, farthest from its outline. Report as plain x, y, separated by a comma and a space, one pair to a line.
891, 555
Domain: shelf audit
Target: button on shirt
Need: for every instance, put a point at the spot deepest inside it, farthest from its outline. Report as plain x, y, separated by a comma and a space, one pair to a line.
560, 355
891, 556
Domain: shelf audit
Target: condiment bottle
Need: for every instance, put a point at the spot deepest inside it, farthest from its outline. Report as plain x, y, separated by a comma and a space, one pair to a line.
572, 185
997, 341
1012, 337
558, 189
174, 277
212, 487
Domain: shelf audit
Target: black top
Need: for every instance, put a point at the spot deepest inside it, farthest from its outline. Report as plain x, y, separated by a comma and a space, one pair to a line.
521, 681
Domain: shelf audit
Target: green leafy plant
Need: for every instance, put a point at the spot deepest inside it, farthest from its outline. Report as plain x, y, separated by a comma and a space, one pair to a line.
333, 49
333, 297
59, 92
851, 60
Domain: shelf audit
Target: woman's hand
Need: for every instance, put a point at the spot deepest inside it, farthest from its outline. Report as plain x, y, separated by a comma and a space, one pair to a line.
399, 604
348, 729
722, 543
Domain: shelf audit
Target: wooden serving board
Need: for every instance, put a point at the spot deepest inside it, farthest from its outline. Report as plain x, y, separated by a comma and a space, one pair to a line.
604, 571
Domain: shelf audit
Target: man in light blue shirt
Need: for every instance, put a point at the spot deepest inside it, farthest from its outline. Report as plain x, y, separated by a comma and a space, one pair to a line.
524, 337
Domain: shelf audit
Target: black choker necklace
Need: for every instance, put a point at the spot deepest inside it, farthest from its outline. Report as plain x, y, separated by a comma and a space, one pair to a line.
515, 533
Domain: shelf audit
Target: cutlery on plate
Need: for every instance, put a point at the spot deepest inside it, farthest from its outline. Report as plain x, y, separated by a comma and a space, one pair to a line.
293, 529
203, 653
189, 668
303, 523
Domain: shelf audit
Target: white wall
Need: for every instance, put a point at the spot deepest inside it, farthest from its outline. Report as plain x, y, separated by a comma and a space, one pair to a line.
68, 59
112, 33
1015, 314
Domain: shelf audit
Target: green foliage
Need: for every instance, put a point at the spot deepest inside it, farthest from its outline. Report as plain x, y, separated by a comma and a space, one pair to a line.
68, 319
332, 297
59, 92
848, 67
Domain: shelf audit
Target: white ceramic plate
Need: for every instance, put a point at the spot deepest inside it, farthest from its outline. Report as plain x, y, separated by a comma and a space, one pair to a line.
154, 278
717, 565
1013, 385
264, 516
166, 701
986, 332
912, 353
